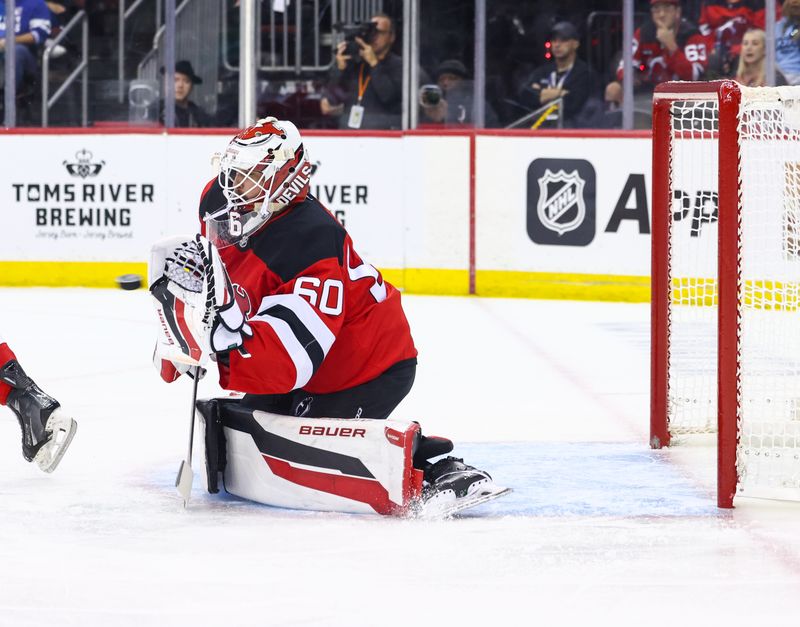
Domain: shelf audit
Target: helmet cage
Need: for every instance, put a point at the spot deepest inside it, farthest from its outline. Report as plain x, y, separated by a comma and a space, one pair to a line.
258, 165
230, 225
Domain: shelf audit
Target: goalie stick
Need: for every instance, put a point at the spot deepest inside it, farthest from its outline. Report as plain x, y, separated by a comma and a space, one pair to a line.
185, 477
185, 474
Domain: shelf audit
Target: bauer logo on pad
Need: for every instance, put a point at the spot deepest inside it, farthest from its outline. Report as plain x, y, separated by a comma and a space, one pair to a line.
561, 202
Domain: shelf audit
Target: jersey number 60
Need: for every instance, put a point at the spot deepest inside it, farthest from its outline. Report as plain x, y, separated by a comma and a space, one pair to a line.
331, 299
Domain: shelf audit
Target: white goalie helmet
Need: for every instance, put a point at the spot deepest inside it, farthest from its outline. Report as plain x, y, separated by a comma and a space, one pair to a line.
264, 169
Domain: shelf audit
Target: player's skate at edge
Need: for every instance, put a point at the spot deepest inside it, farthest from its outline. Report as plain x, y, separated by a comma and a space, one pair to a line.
304, 327
452, 486
46, 431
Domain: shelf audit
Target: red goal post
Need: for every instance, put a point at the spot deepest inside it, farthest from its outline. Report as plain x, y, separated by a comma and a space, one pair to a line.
725, 309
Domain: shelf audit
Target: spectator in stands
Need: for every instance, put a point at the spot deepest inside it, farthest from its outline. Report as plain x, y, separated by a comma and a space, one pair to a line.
449, 102
60, 12
751, 68
665, 48
187, 113
564, 76
787, 41
366, 91
724, 23
32, 27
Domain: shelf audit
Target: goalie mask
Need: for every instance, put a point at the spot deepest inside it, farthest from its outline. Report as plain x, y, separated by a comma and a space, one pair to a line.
263, 170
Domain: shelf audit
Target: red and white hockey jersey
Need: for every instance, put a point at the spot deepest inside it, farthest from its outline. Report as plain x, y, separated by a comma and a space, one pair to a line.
726, 22
323, 319
655, 64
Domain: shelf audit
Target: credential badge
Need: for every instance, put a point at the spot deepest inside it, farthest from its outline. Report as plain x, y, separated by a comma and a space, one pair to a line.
558, 193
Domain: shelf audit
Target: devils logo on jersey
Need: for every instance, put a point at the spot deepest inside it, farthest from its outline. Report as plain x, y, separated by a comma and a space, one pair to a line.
243, 300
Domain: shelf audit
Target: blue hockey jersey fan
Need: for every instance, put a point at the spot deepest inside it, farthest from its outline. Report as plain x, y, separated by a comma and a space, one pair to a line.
31, 29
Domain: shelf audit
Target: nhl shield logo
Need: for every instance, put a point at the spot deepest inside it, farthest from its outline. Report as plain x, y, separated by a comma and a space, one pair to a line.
561, 202
561, 207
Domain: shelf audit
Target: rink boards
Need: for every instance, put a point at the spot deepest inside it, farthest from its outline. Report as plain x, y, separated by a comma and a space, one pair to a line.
558, 214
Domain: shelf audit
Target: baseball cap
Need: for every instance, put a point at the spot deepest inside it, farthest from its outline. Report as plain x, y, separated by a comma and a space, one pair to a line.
452, 66
564, 30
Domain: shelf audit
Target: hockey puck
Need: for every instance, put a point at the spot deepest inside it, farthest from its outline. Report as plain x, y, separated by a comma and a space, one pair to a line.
129, 281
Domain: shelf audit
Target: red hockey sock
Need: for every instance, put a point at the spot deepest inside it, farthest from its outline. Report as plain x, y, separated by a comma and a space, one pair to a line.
6, 355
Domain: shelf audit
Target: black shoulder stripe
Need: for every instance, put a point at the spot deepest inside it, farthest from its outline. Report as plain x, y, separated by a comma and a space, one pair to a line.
212, 200
300, 331
304, 236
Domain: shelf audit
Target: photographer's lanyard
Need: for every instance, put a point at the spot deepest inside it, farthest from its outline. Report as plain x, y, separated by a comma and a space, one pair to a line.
357, 111
559, 82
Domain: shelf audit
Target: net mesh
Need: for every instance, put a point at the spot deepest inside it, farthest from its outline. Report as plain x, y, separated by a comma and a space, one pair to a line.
692, 401
768, 453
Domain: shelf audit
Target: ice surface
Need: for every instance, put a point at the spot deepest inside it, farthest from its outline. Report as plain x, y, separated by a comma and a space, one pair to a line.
550, 397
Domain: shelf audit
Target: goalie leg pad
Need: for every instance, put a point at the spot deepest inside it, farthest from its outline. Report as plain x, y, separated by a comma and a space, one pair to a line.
322, 464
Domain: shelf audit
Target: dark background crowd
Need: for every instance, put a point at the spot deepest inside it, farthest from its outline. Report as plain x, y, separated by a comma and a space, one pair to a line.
548, 63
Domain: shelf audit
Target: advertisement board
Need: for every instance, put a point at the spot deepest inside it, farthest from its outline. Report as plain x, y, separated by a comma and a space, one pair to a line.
519, 213
563, 216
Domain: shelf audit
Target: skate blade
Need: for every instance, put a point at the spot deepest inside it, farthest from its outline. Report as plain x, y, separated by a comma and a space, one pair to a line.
442, 508
63, 430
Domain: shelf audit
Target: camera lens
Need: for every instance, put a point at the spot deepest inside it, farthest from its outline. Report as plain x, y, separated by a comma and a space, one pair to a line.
430, 95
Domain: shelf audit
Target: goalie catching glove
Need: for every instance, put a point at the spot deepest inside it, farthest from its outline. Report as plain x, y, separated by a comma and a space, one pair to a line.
194, 300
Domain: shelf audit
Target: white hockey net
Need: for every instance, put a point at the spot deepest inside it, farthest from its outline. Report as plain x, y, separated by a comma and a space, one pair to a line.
768, 452
692, 400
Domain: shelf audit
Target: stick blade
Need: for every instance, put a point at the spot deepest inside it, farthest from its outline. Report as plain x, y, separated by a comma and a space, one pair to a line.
184, 481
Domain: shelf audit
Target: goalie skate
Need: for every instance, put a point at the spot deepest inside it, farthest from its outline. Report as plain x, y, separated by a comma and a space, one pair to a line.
453, 487
62, 429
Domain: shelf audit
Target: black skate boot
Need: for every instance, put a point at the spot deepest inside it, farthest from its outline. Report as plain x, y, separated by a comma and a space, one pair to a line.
427, 447
46, 432
450, 486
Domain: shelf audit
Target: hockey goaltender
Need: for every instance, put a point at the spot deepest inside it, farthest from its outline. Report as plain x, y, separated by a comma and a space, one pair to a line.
309, 337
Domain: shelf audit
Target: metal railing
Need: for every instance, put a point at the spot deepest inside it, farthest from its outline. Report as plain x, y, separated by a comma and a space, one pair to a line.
82, 68
195, 17
282, 29
123, 16
9, 85
537, 117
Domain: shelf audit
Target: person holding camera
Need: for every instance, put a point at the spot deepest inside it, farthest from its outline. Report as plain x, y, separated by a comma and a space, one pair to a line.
449, 101
366, 82
564, 77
